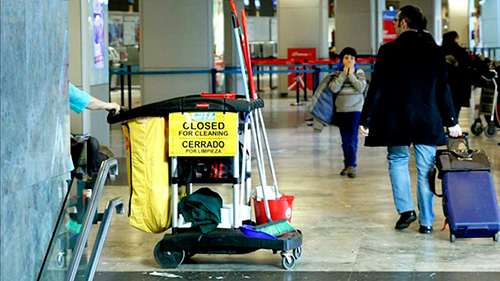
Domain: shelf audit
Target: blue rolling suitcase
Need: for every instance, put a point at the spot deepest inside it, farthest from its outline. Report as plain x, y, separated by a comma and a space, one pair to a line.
469, 199
470, 205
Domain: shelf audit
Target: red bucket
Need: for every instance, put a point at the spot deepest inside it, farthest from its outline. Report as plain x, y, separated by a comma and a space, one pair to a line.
279, 208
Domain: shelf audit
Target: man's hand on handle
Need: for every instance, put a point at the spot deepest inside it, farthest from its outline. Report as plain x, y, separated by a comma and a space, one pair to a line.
364, 131
455, 131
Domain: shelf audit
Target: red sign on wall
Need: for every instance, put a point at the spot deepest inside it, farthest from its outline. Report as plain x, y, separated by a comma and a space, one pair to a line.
388, 26
300, 55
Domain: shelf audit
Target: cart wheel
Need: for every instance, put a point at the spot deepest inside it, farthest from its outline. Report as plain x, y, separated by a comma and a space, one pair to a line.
61, 259
287, 261
477, 127
495, 238
168, 259
297, 252
452, 237
491, 130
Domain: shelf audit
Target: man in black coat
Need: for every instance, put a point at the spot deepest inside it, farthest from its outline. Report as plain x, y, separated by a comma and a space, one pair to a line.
408, 102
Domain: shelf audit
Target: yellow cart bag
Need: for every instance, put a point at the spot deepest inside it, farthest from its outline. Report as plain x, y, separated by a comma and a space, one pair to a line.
148, 174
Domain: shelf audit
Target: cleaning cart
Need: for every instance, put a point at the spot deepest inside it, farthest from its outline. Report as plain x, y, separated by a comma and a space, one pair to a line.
206, 127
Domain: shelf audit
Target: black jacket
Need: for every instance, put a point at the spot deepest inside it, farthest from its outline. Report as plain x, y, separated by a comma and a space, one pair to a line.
458, 74
408, 100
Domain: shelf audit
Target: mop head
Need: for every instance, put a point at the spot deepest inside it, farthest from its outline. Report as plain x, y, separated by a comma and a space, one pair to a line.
276, 228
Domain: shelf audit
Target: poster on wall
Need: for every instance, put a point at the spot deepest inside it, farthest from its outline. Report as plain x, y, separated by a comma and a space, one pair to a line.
98, 24
115, 30
389, 28
130, 30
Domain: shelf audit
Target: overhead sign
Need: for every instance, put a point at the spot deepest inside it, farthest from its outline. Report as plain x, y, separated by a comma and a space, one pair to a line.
203, 134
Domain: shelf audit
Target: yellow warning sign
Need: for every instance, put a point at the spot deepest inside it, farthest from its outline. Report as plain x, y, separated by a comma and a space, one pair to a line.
203, 134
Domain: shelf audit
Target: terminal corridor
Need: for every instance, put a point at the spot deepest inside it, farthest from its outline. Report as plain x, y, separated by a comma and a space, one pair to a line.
348, 224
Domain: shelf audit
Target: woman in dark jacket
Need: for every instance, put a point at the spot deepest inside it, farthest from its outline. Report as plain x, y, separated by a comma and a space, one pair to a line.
458, 61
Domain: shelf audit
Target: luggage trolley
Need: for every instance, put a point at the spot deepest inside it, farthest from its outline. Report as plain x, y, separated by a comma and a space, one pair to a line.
488, 107
183, 114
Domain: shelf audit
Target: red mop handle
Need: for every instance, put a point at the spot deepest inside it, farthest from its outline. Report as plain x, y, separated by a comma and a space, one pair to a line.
248, 59
237, 21
235, 11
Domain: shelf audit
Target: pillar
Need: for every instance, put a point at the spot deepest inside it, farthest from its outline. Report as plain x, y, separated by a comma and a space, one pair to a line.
491, 25
358, 24
459, 19
175, 35
88, 70
302, 23
34, 131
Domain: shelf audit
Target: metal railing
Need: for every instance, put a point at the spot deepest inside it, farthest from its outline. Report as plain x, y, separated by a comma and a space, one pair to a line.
71, 236
299, 69
87, 224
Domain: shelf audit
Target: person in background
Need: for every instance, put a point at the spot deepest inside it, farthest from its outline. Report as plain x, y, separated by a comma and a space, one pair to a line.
408, 102
458, 62
349, 83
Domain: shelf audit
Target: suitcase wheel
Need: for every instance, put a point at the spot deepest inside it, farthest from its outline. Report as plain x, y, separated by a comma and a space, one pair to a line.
453, 237
491, 130
495, 238
477, 127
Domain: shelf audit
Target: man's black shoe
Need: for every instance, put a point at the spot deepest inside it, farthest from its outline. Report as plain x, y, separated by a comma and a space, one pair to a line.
425, 229
406, 219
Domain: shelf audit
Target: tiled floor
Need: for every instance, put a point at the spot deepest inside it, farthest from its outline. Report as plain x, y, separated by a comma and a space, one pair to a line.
348, 224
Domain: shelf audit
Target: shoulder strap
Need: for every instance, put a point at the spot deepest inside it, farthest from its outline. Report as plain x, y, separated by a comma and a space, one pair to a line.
432, 181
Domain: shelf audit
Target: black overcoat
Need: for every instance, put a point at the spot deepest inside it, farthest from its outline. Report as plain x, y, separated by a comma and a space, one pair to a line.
459, 77
408, 100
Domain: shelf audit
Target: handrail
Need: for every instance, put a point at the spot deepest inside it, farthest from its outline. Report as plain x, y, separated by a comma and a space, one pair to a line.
89, 217
116, 203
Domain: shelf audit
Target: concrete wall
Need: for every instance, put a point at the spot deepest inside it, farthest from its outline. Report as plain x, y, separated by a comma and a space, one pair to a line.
34, 131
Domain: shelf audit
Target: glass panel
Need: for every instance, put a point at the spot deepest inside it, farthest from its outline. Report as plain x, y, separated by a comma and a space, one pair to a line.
57, 263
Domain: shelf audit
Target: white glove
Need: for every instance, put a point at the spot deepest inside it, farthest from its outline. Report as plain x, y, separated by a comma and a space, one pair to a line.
455, 131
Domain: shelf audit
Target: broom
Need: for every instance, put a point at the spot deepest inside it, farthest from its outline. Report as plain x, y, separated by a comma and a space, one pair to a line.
275, 228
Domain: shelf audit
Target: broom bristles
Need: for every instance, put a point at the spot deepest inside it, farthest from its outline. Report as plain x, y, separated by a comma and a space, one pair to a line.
276, 228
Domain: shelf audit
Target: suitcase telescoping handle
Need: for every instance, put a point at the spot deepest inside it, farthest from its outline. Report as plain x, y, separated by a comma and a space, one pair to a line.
453, 142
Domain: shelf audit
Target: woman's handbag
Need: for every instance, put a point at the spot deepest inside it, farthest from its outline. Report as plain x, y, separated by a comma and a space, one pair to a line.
461, 160
457, 160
